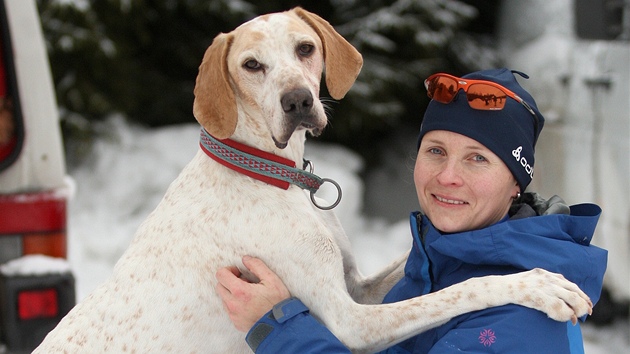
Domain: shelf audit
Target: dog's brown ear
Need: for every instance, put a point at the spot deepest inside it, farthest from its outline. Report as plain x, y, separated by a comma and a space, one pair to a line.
343, 61
215, 104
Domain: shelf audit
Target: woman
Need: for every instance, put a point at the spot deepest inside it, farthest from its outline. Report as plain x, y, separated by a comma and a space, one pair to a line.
475, 159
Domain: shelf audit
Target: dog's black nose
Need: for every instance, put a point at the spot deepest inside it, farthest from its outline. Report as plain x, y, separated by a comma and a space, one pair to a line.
298, 101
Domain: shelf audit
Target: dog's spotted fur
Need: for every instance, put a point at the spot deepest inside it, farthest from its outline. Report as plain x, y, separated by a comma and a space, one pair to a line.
254, 86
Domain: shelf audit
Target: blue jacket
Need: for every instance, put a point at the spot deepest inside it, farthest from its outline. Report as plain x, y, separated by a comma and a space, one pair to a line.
558, 243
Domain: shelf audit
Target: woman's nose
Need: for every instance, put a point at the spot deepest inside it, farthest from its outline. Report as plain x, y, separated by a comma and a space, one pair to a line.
450, 174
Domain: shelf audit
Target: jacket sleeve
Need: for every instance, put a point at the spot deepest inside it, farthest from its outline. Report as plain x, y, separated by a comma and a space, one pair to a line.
508, 329
289, 328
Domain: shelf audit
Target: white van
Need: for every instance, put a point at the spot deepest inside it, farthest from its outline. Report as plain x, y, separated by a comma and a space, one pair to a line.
35, 291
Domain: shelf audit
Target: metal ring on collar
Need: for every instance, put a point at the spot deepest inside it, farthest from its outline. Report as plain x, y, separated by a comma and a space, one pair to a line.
324, 180
309, 164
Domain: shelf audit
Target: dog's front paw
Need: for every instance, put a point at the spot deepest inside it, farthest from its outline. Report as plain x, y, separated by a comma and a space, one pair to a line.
552, 294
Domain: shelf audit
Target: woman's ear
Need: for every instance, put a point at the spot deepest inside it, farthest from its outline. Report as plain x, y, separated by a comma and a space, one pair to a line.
517, 191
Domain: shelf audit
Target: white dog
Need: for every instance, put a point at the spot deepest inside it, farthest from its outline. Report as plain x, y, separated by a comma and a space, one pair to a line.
259, 87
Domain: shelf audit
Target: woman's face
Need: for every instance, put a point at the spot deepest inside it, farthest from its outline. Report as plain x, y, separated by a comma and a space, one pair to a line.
461, 184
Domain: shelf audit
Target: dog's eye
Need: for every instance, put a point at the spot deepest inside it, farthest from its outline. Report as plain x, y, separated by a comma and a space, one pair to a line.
305, 50
252, 65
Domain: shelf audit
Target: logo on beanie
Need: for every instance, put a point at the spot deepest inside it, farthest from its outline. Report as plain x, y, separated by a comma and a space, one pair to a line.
523, 161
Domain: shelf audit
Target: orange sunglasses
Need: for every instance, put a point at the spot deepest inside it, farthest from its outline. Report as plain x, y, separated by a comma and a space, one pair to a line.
481, 94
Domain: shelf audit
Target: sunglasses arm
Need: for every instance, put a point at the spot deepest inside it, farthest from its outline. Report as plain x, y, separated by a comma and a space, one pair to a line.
529, 108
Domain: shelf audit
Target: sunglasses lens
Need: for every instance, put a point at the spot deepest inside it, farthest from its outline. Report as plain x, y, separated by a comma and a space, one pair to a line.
485, 97
441, 89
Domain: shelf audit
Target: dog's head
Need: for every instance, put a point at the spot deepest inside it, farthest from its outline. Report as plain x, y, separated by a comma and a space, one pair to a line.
267, 72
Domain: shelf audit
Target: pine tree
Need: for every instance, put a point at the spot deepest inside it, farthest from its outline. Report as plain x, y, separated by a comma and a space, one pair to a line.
402, 42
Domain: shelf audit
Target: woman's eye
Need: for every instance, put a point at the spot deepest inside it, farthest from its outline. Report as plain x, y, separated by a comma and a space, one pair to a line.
305, 50
252, 65
435, 151
479, 158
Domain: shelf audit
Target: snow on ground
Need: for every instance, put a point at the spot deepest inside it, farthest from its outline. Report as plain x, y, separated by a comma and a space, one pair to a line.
129, 171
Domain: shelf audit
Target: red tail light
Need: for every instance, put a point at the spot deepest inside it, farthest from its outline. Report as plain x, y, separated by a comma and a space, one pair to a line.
41, 303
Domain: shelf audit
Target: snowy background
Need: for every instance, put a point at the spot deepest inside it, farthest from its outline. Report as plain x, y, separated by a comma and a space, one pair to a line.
130, 169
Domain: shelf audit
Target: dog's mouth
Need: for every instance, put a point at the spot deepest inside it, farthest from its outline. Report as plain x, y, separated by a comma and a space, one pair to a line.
313, 129
279, 145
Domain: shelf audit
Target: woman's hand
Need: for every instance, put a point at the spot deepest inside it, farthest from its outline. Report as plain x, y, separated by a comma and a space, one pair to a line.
247, 302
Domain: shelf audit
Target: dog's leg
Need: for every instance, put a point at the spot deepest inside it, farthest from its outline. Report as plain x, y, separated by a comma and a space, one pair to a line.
365, 328
368, 328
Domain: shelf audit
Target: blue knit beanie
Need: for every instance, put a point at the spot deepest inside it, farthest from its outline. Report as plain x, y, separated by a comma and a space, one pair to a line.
510, 133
